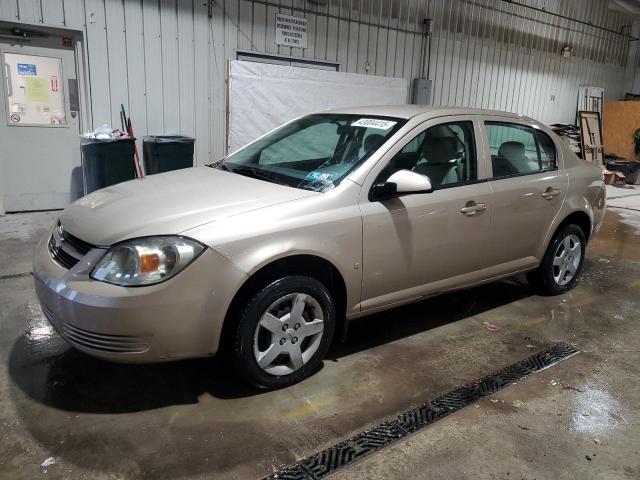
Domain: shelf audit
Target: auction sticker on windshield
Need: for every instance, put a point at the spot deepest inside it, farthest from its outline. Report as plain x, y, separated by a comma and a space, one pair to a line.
374, 123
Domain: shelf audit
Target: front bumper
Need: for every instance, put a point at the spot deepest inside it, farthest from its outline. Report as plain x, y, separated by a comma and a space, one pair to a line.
179, 318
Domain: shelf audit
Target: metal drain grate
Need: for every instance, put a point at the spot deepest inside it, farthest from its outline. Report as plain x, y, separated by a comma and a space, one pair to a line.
13, 276
345, 453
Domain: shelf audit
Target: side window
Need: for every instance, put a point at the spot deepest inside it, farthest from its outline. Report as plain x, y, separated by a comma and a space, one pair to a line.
518, 149
513, 149
445, 153
414, 145
548, 159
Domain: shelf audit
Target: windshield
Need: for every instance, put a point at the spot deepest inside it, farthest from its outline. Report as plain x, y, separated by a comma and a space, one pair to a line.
314, 152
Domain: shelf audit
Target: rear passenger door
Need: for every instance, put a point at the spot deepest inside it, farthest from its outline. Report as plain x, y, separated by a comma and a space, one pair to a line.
529, 187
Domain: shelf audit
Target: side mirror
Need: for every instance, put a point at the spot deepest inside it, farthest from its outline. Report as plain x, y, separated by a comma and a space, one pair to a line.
403, 182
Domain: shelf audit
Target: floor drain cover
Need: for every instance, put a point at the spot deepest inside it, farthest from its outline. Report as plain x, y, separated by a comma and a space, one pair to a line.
363, 444
12, 276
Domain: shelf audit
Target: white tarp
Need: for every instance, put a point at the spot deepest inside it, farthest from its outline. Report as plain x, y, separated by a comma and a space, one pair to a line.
264, 96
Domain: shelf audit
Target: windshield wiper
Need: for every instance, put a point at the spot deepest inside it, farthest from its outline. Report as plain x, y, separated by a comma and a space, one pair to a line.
217, 164
254, 173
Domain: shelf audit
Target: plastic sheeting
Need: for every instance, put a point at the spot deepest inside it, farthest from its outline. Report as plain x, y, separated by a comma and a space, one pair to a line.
264, 96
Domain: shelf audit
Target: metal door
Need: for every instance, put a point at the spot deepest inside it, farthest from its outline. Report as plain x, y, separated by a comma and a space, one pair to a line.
39, 126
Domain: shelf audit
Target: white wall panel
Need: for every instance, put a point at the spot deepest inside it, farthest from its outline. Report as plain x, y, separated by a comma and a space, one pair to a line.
270, 34
116, 58
153, 78
9, 10
30, 11
135, 68
201, 82
259, 27
245, 21
98, 56
169, 62
74, 15
53, 12
186, 68
218, 87
166, 60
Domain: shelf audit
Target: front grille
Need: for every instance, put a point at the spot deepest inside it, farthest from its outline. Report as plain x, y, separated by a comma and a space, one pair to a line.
67, 249
80, 245
103, 342
60, 256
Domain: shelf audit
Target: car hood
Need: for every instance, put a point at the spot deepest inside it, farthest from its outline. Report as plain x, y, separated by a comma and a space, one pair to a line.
170, 203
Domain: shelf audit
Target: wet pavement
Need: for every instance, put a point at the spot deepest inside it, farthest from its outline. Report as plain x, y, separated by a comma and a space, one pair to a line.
191, 420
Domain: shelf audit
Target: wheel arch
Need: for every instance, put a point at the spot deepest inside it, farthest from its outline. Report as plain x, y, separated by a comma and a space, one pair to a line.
296, 264
579, 218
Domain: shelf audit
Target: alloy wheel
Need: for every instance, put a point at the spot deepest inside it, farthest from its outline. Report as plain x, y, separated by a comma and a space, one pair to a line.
288, 334
566, 259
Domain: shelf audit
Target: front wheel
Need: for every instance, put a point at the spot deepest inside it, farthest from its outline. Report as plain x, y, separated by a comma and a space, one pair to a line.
562, 263
284, 332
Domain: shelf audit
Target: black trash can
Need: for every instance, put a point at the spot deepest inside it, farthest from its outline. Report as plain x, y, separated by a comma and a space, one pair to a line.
107, 162
163, 153
629, 168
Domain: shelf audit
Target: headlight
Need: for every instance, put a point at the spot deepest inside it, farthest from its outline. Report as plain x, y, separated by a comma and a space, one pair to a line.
146, 261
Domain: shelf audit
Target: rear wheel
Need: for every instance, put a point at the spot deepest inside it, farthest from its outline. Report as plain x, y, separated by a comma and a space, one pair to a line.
284, 332
562, 263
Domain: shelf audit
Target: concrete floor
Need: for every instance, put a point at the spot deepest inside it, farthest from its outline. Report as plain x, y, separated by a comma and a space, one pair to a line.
190, 420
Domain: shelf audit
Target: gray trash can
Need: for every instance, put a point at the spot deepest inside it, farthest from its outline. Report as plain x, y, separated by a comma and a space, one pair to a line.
163, 153
106, 162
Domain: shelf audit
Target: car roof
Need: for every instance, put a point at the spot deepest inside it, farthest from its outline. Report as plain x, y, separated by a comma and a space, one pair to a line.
409, 111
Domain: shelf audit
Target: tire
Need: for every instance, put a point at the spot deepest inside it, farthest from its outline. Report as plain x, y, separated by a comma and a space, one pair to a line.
558, 272
273, 350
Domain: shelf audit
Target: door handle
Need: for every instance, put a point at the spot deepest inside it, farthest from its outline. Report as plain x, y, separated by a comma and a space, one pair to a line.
472, 208
549, 193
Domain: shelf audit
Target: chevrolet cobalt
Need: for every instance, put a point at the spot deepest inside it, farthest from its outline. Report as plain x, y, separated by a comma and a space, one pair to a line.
264, 255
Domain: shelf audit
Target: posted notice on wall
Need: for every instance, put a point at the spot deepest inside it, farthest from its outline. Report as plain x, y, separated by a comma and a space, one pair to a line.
291, 31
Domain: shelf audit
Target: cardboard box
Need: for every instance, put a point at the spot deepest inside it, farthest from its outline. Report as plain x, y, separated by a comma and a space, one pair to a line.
613, 178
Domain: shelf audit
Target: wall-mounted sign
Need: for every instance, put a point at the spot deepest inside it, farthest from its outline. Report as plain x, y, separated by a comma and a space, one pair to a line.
26, 69
37, 89
291, 31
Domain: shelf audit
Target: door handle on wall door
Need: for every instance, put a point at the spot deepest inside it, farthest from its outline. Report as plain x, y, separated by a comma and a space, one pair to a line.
7, 81
472, 208
549, 193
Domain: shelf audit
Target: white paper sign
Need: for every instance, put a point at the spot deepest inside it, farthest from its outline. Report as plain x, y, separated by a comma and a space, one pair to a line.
291, 31
374, 123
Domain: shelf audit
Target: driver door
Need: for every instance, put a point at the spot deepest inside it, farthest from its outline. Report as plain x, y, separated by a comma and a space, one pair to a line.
421, 244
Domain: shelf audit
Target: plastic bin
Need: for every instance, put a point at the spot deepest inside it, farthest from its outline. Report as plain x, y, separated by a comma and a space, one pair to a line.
107, 162
163, 153
629, 168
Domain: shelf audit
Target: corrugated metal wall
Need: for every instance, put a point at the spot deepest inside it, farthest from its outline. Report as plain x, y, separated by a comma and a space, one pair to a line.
506, 56
165, 59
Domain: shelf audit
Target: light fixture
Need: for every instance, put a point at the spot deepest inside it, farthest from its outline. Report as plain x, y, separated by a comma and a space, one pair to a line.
566, 51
